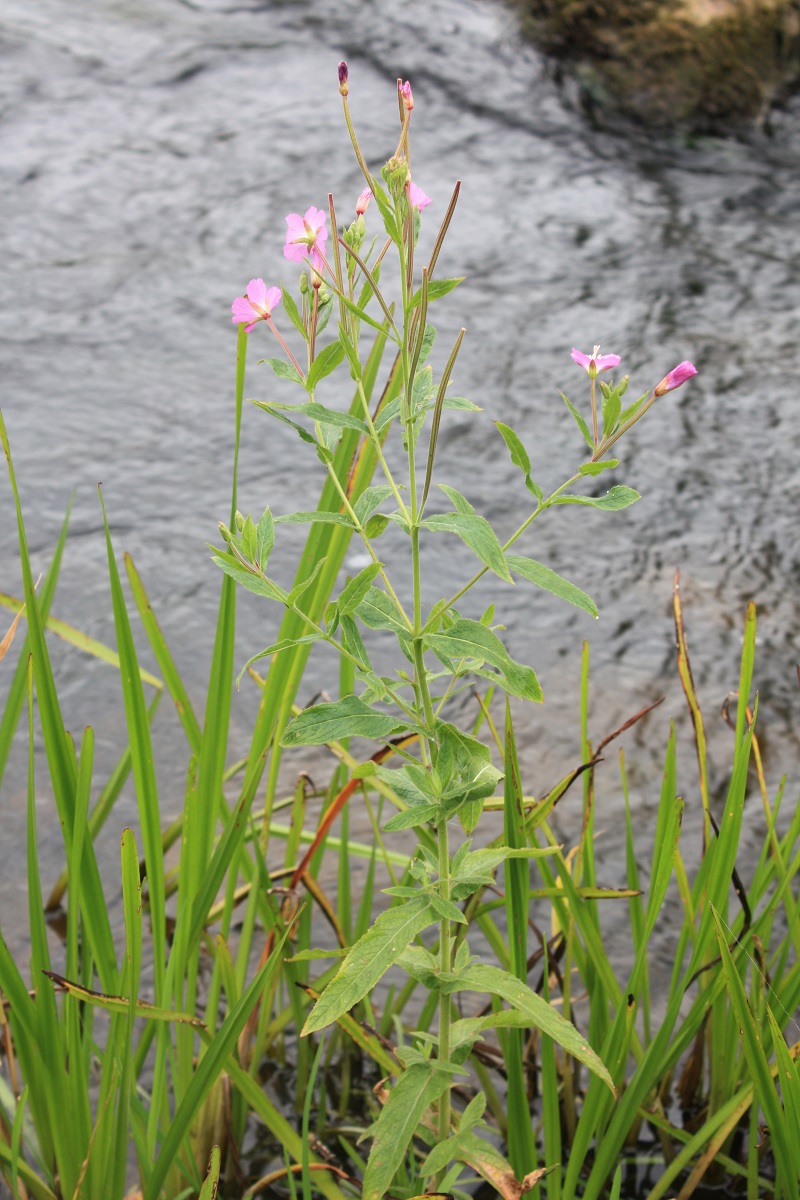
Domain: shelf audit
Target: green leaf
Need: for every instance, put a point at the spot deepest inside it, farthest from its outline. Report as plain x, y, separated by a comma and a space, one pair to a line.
370, 499
460, 503
612, 406
633, 408
543, 577
377, 611
348, 717
418, 814
436, 289
618, 497
325, 416
326, 361
579, 421
209, 1188
595, 468
480, 977
355, 591
519, 455
446, 909
412, 1095
445, 1152
318, 517
283, 370
471, 640
276, 648
386, 210
477, 533
369, 960
265, 538
293, 313
352, 355
274, 410
253, 583
352, 642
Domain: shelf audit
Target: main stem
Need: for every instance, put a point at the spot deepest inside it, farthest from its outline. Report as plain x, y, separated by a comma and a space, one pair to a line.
423, 693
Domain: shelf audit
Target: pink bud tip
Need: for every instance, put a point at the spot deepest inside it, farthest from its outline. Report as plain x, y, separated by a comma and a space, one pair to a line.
405, 91
362, 201
344, 76
677, 376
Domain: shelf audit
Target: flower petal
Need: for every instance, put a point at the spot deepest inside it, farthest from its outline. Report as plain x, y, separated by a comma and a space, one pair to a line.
243, 310
677, 376
583, 360
257, 293
604, 362
417, 197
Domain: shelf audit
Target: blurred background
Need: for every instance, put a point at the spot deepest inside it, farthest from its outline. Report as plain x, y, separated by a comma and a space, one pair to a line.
150, 151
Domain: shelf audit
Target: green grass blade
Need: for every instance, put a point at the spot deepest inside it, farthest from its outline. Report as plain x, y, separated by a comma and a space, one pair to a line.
166, 663
213, 1061
521, 1144
60, 756
16, 692
142, 764
786, 1151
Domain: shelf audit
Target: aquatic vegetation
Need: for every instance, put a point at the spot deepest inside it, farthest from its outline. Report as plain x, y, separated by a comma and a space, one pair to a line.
155, 1046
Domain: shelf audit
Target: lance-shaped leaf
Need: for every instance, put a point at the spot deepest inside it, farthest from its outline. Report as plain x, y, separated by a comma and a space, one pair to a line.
283, 369
369, 959
318, 517
377, 611
543, 577
471, 640
480, 977
293, 313
519, 457
254, 583
579, 421
477, 533
370, 499
618, 497
412, 1095
326, 361
265, 538
355, 591
348, 717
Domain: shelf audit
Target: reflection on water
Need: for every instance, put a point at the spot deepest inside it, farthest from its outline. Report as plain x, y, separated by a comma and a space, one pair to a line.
150, 153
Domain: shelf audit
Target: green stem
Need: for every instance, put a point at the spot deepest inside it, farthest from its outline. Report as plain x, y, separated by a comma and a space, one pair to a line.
541, 506
445, 966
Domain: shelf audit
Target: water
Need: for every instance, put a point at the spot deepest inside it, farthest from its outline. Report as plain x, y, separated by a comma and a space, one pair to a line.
149, 154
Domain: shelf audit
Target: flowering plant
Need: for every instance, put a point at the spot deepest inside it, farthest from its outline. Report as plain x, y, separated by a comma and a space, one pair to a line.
446, 773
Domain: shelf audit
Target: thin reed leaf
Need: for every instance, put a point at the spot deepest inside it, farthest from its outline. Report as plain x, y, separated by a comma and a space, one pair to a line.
521, 1144
16, 691
60, 756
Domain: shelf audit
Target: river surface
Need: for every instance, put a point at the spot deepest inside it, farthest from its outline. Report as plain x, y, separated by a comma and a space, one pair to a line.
149, 152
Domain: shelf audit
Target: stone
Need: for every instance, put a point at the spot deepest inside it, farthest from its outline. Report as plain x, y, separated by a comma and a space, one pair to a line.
696, 66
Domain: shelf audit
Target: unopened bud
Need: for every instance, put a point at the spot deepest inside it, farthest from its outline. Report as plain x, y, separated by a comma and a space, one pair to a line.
224, 532
396, 174
405, 94
303, 283
677, 376
622, 386
239, 519
344, 76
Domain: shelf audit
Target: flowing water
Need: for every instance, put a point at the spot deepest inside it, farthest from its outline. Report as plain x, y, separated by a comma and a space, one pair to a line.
149, 152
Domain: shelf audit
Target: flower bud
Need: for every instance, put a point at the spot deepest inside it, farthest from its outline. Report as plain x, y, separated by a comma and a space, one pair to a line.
344, 75
224, 532
677, 376
303, 283
395, 175
405, 94
239, 519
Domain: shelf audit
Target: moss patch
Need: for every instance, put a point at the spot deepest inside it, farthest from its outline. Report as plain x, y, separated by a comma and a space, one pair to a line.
706, 66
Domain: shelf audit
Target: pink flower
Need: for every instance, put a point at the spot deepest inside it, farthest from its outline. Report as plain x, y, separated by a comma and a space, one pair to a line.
256, 305
595, 361
677, 376
417, 197
305, 237
362, 201
405, 91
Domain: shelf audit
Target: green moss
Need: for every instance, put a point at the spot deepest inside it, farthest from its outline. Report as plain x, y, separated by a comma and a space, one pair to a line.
649, 61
